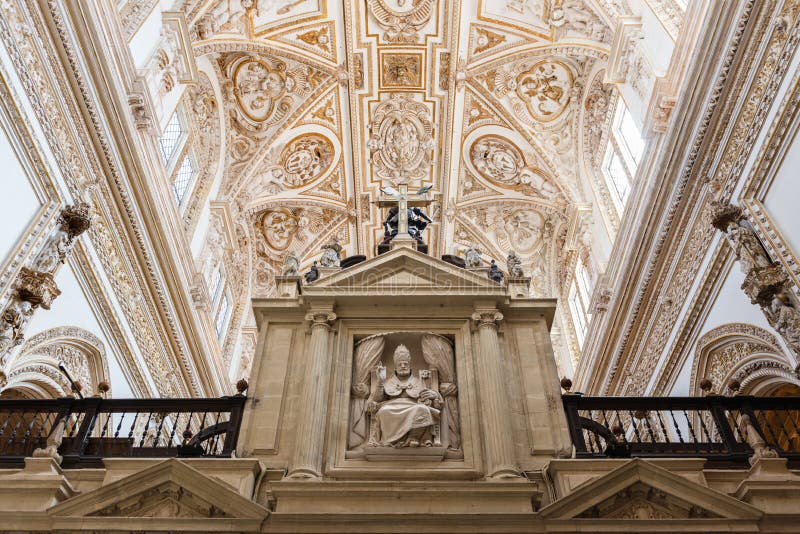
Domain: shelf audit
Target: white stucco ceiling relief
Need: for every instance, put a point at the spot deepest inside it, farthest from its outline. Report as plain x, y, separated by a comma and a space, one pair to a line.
325, 102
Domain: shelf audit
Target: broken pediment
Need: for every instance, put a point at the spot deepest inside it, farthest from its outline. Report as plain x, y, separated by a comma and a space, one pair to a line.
167, 490
404, 271
641, 490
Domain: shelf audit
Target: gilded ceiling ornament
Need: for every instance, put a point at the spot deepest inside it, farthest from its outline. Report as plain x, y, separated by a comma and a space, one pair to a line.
260, 88
317, 37
279, 227
502, 163
401, 140
517, 226
545, 89
305, 159
257, 86
485, 39
401, 19
401, 70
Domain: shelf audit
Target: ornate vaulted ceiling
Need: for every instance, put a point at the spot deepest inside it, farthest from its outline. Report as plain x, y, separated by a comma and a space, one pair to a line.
497, 104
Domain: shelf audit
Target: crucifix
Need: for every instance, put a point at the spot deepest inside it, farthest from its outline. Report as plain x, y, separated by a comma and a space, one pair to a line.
403, 202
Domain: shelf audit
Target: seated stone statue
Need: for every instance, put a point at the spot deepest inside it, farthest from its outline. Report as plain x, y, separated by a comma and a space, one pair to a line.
404, 411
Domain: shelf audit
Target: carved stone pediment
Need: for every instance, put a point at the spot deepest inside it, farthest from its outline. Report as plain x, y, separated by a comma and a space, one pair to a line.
641, 490
405, 271
170, 491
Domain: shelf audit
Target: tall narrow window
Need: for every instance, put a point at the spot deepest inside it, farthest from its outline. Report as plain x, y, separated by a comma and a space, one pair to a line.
629, 137
222, 318
616, 175
183, 178
214, 284
578, 315
172, 135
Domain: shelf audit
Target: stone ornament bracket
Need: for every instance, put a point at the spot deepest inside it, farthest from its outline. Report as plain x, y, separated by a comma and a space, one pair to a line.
766, 282
35, 286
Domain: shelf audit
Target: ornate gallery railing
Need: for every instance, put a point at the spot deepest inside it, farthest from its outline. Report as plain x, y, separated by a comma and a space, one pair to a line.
83, 431
725, 430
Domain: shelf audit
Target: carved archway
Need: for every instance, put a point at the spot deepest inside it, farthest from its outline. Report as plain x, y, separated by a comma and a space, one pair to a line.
35, 373
742, 352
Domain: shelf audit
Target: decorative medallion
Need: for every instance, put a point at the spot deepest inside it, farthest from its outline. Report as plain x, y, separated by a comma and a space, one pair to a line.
401, 70
402, 139
305, 159
279, 227
545, 89
401, 19
501, 162
257, 86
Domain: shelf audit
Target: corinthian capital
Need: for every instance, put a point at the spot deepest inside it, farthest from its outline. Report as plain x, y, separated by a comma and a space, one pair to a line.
487, 317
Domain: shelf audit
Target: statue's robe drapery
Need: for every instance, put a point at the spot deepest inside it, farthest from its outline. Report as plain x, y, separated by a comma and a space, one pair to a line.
367, 356
402, 413
438, 353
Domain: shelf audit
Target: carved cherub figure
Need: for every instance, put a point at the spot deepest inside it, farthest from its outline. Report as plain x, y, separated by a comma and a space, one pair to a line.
514, 265
291, 265
472, 257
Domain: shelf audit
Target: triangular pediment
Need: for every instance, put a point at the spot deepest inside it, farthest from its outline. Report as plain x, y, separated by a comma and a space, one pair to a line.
641, 490
167, 490
405, 271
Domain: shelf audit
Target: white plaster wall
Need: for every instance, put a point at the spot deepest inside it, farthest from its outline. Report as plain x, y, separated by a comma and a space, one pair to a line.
18, 201
781, 200
730, 306
72, 309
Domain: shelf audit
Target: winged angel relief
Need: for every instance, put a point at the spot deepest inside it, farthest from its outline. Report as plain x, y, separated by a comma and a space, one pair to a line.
401, 20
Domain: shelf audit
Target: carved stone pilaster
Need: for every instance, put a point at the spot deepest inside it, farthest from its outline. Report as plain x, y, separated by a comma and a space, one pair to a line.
307, 460
493, 408
35, 286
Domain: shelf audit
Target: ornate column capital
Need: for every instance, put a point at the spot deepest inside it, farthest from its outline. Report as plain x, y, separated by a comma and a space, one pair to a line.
75, 219
37, 287
487, 317
320, 317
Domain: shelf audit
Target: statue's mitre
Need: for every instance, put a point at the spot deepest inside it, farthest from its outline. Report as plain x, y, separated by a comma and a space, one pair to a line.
402, 353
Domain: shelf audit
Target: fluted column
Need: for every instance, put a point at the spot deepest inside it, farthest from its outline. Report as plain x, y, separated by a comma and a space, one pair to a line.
35, 286
310, 435
493, 406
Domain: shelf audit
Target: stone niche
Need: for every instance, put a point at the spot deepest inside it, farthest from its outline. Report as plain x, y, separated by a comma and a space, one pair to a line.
481, 362
406, 414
